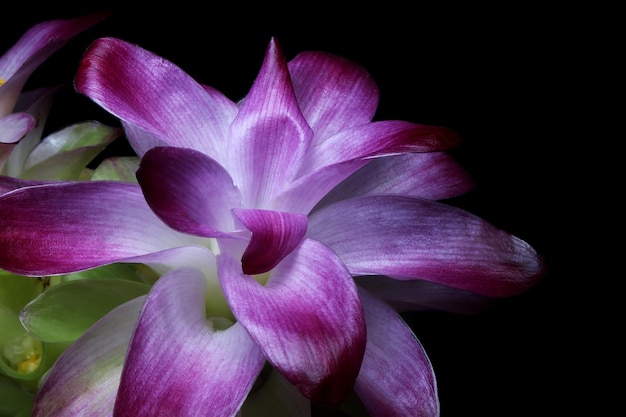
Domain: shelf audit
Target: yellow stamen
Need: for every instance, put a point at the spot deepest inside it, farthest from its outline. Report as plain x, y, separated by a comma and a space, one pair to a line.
2, 81
24, 354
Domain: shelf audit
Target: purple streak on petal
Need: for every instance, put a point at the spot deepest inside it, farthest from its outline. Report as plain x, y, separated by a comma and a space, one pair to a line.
85, 378
66, 227
411, 238
274, 235
189, 191
177, 365
156, 96
270, 136
32, 49
377, 139
396, 378
431, 175
307, 319
14, 127
334, 93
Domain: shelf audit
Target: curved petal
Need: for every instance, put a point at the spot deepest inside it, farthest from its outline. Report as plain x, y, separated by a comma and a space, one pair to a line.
269, 136
189, 191
147, 91
14, 127
377, 139
274, 235
9, 183
177, 364
307, 319
409, 238
396, 378
431, 175
334, 93
66, 227
85, 378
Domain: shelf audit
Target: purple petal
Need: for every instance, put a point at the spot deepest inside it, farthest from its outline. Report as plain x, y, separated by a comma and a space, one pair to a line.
14, 127
274, 235
189, 191
156, 96
396, 378
307, 319
376, 139
9, 183
432, 175
334, 93
409, 238
177, 364
85, 378
270, 136
67, 227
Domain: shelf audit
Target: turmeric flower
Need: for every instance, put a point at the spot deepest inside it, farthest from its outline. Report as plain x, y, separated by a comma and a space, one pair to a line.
262, 216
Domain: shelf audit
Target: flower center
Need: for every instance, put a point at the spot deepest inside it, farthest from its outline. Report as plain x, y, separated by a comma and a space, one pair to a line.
23, 353
2, 81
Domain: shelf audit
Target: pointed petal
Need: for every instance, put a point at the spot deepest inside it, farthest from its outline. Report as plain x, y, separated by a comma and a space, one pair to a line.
334, 93
431, 175
177, 364
14, 127
274, 235
409, 238
307, 319
189, 191
396, 378
269, 136
67, 227
155, 95
85, 378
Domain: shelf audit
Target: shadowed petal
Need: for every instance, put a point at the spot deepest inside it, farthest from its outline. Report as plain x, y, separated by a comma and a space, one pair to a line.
408, 238
274, 235
177, 365
189, 191
307, 319
334, 93
156, 96
269, 136
84, 380
66, 227
9, 183
395, 367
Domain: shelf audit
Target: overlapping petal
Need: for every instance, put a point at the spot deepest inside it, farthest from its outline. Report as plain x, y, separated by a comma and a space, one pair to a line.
66, 227
14, 127
397, 378
408, 238
307, 319
177, 364
154, 95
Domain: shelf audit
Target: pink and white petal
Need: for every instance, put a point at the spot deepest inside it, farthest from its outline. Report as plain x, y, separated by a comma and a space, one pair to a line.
85, 378
177, 364
307, 319
411, 238
396, 378
430, 175
32, 49
67, 227
418, 294
189, 191
274, 235
153, 94
269, 137
384, 138
334, 93
15, 126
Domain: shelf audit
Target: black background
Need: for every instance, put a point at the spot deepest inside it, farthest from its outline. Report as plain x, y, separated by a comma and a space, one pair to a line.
495, 76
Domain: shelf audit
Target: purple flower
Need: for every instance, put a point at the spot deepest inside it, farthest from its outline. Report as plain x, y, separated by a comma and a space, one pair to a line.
263, 217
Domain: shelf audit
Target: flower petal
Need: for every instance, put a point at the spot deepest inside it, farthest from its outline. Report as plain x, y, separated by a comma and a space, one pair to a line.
274, 235
334, 93
156, 96
189, 191
14, 127
269, 136
307, 319
409, 238
177, 364
396, 378
85, 378
66, 227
